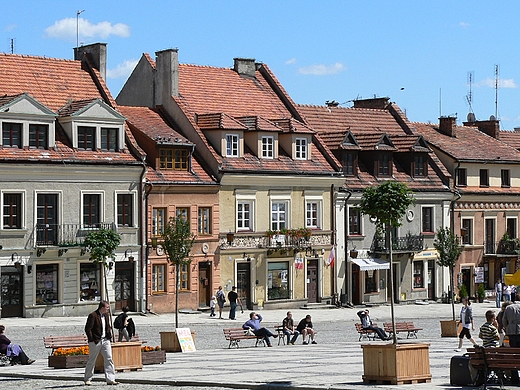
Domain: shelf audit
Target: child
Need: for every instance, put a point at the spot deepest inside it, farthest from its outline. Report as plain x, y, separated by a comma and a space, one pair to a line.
489, 332
212, 305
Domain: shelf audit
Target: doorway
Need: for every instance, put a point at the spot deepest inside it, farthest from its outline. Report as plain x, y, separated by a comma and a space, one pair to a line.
244, 284
312, 280
431, 280
11, 291
204, 283
124, 286
356, 283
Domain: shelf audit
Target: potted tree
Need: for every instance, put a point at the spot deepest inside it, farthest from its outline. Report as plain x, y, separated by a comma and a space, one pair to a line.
448, 246
177, 243
481, 292
387, 204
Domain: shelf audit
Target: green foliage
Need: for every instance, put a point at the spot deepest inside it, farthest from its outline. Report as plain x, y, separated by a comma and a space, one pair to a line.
463, 293
448, 245
178, 240
387, 203
102, 244
481, 290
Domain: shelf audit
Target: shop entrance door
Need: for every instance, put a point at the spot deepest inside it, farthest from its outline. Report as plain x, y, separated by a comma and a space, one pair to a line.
312, 280
124, 286
204, 284
244, 284
11, 292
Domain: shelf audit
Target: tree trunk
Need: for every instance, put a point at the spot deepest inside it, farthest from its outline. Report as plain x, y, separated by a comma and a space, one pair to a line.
452, 293
177, 287
391, 281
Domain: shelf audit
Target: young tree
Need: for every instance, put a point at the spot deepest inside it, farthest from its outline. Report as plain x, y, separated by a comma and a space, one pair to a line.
387, 203
177, 243
448, 245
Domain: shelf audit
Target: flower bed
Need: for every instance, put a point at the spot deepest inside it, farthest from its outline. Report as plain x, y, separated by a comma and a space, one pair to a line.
151, 355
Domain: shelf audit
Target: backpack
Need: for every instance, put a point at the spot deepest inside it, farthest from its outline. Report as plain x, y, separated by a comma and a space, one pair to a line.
119, 322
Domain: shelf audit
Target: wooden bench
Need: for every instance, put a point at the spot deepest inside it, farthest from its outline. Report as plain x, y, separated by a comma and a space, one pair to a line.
234, 335
497, 360
55, 342
366, 333
408, 327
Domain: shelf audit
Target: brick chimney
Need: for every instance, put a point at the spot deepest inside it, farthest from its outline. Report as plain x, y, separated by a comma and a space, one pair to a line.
374, 103
448, 125
97, 53
245, 66
490, 127
167, 77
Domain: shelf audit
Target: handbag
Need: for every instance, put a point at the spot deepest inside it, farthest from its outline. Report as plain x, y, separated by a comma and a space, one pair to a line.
250, 332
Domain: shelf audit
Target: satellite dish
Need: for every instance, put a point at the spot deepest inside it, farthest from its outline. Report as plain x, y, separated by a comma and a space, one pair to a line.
471, 117
492, 118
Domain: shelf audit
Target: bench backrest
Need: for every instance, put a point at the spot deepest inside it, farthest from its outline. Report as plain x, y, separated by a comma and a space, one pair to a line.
71, 341
495, 357
360, 329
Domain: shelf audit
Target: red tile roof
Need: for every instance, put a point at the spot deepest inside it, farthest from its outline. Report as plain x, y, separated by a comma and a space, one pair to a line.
511, 138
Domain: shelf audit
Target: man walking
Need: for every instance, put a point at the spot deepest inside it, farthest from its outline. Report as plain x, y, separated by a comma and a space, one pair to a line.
99, 334
233, 298
498, 292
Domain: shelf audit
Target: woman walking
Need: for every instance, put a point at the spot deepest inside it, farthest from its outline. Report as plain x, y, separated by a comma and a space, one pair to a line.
466, 319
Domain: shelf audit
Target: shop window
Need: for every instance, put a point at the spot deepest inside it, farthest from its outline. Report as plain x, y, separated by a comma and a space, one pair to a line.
46, 284
158, 272
278, 280
371, 277
90, 282
418, 277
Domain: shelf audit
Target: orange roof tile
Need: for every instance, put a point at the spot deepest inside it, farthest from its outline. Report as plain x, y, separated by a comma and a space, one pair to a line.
511, 138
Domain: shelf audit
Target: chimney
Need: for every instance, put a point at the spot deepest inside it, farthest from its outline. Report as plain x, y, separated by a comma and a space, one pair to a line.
490, 127
245, 66
448, 125
97, 53
375, 103
167, 76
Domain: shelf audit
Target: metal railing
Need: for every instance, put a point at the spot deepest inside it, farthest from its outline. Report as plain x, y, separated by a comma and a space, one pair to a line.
66, 235
409, 243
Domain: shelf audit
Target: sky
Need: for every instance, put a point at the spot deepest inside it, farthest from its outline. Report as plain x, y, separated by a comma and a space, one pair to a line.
432, 58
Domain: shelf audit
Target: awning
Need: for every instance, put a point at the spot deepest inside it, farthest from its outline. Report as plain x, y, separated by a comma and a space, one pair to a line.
426, 255
370, 264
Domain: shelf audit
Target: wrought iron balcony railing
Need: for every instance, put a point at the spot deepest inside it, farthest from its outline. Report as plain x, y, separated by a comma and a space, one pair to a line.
504, 247
66, 235
409, 243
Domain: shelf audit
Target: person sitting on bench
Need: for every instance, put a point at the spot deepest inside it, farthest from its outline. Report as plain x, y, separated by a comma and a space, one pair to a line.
366, 323
13, 351
305, 328
258, 330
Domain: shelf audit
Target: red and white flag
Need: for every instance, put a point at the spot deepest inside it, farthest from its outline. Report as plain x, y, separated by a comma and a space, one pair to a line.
330, 260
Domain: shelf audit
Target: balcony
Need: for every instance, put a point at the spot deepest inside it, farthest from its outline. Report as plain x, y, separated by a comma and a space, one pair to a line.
503, 247
65, 235
409, 243
254, 240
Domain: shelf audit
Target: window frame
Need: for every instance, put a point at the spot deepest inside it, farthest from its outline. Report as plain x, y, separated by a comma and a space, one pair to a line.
184, 278
245, 218
283, 277
184, 212
267, 146
86, 269
484, 177
512, 227
42, 273
371, 281
232, 145
301, 147
418, 274
313, 221
428, 219
279, 224
204, 221
90, 214
383, 165
467, 223
158, 278
109, 136
159, 221
505, 178
350, 163
420, 165
176, 159
38, 134
354, 212
122, 215
462, 177
19, 214
84, 134
13, 141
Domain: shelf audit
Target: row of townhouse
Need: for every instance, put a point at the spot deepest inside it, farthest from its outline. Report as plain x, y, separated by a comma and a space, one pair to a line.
270, 188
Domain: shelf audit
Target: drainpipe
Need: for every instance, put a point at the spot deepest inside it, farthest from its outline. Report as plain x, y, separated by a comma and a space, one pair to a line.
143, 199
348, 286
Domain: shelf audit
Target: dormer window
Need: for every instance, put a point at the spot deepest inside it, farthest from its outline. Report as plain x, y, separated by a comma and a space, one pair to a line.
38, 136
268, 147
109, 140
12, 135
350, 163
176, 159
301, 149
420, 167
86, 137
232, 145
383, 165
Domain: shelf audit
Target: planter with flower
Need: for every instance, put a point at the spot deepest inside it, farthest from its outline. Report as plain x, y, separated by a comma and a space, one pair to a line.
69, 357
153, 355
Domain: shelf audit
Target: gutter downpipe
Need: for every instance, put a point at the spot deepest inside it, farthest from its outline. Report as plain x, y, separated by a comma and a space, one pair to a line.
143, 199
348, 285
452, 228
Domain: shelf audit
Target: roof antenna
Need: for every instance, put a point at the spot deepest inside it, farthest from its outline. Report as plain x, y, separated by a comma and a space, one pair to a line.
77, 26
469, 97
12, 45
440, 102
496, 91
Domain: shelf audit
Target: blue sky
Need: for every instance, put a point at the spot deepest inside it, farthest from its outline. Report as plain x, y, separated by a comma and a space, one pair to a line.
418, 53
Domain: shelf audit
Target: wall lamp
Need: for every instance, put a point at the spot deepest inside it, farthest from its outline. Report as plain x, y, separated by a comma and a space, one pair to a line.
40, 251
247, 257
230, 238
128, 255
62, 251
154, 242
15, 259
29, 269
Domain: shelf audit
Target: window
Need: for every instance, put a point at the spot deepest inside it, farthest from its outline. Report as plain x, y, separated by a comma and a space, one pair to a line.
418, 279
12, 211
12, 135
278, 280
232, 145
427, 220
46, 284
204, 220
349, 164
158, 272
109, 139
467, 234
244, 215
176, 159
419, 165
38, 136
279, 215
183, 212
371, 278
506, 179
125, 210
90, 282
86, 139
301, 149
383, 165
354, 221
158, 221
185, 277
511, 227
91, 210
462, 177
484, 178
267, 147
312, 215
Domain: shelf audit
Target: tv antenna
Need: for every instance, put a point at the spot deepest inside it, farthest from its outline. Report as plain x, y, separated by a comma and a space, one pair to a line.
496, 91
469, 97
12, 45
77, 26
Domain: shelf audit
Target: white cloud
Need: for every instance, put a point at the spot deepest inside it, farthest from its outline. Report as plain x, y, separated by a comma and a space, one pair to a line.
502, 83
10, 27
320, 69
291, 61
464, 24
122, 70
66, 29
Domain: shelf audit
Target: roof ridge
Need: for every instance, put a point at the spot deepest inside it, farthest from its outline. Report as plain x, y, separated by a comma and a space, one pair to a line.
36, 57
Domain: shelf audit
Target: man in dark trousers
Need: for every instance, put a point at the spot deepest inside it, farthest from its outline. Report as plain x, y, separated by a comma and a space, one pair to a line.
511, 321
366, 323
99, 334
233, 299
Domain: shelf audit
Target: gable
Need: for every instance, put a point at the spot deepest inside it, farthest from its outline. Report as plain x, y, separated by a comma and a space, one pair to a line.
25, 104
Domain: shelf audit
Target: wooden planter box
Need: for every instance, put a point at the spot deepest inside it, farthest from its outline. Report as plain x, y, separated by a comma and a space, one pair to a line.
448, 328
153, 357
396, 364
126, 355
72, 361
170, 341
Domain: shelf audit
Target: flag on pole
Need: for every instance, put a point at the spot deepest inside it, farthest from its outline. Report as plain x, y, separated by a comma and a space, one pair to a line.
330, 260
